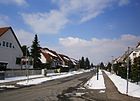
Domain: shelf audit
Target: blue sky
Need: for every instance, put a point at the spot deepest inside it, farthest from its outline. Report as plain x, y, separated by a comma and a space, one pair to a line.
97, 29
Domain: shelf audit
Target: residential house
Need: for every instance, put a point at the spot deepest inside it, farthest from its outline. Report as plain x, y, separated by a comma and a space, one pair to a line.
10, 49
50, 56
55, 59
66, 60
135, 53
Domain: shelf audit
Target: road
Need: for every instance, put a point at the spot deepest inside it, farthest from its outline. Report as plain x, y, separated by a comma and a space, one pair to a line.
55, 90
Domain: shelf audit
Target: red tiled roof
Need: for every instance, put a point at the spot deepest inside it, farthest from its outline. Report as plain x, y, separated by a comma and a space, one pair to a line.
3, 30
49, 56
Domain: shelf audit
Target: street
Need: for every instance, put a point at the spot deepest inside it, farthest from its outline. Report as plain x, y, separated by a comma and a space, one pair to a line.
49, 91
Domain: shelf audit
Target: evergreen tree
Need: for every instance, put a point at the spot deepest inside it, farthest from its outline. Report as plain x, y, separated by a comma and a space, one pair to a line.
91, 65
35, 52
25, 50
109, 67
136, 70
115, 68
102, 65
83, 62
87, 63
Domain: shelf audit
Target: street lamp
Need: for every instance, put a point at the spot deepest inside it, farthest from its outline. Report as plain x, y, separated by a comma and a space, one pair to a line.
127, 71
112, 64
27, 67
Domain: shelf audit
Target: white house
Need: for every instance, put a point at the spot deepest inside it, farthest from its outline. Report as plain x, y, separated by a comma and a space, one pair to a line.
10, 49
135, 53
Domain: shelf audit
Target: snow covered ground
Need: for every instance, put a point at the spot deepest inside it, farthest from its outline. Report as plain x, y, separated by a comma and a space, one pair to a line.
19, 78
133, 89
93, 83
52, 77
37, 76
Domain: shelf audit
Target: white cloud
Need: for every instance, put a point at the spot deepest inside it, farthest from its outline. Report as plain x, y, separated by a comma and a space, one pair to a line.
16, 2
73, 42
97, 49
24, 37
48, 23
67, 11
85, 9
123, 2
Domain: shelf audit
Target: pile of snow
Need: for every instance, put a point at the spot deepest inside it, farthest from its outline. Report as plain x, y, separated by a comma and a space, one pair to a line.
133, 89
7, 86
51, 77
93, 83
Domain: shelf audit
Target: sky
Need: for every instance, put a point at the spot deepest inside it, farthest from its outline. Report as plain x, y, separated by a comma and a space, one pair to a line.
97, 29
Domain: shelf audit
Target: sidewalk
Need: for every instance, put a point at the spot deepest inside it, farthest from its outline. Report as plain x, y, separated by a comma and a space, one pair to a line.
113, 94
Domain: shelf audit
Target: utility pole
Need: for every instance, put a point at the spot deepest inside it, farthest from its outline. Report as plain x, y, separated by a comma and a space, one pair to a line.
112, 64
127, 71
27, 66
97, 72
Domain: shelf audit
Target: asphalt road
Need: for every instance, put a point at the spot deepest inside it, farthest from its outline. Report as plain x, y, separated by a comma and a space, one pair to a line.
55, 90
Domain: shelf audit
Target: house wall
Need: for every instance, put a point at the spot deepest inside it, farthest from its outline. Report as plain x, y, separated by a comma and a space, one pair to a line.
135, 54
9, 54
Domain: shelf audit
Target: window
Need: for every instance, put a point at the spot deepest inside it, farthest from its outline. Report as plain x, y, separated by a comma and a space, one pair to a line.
3, 43
134, 54
18, 60
0, 44
10, 45
7, 44
13, 47
3, 66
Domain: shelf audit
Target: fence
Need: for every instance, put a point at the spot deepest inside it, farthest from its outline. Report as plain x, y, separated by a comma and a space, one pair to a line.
14, 73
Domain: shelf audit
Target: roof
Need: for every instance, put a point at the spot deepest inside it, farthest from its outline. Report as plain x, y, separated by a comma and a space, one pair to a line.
49, 54
65, 58
52, 55
138, 45
3, 30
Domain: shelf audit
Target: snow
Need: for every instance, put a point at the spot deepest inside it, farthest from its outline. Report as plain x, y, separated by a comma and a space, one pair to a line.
46, 51
133, 89
102, 91
51, 77
79, 94
93, 83
43, 59
66, 58
7, 86
19, 78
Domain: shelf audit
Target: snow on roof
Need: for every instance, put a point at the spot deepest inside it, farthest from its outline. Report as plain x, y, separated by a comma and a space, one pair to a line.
46, 50
52, 54
66, 58
74, 61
